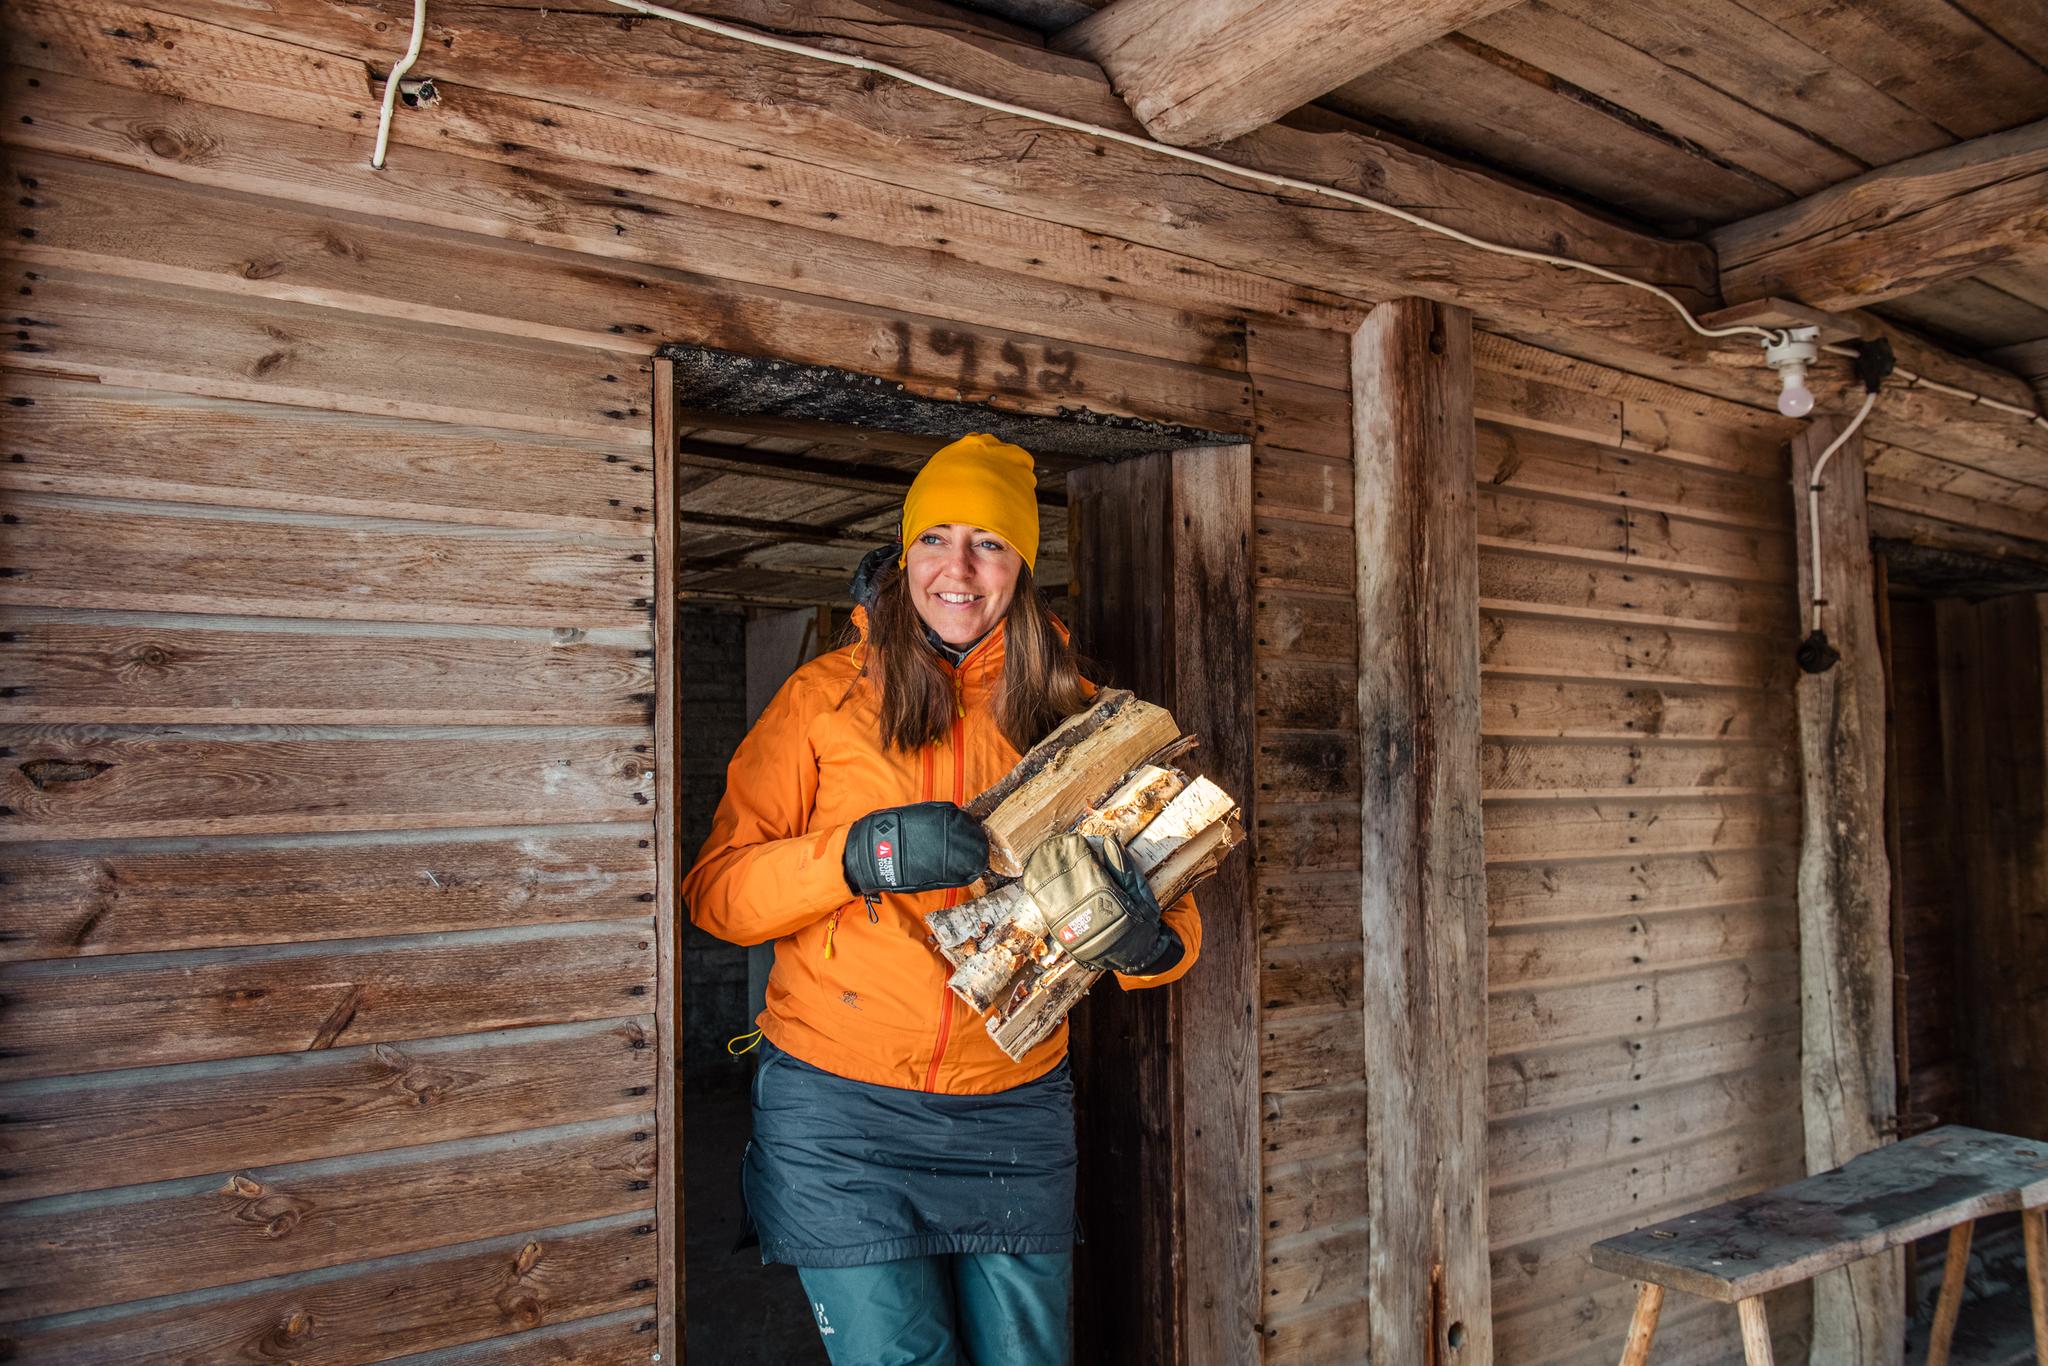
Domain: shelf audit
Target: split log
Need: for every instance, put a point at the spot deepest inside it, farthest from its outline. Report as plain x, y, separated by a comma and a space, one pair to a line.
1062, 777
1106, 772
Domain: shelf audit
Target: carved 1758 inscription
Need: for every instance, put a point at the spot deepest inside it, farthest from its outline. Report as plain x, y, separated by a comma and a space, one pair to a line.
980, 366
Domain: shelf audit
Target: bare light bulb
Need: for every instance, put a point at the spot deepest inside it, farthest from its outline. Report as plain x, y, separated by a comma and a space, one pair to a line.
1794, 398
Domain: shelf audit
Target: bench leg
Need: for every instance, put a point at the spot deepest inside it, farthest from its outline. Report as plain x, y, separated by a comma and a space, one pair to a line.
1643, 1327
2034, 1222
1756, 1331
1951, 1302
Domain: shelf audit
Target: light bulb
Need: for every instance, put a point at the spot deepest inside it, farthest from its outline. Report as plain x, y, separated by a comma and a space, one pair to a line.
1794, 398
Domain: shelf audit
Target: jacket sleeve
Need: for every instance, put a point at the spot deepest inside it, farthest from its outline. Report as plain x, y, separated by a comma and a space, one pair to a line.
763, 872
1186, 920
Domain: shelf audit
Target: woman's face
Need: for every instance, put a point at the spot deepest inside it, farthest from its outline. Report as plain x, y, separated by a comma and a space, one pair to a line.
961, 580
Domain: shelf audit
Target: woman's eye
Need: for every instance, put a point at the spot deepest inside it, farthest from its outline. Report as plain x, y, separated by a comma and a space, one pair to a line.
993, 546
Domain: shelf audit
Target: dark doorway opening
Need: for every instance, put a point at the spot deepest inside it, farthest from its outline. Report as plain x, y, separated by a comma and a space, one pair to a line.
785, 476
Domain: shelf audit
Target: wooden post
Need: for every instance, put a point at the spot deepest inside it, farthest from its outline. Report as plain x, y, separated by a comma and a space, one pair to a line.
1423, 894
1756, 1333
1953, 1273
1845, 958
1215, 1028
1642, 1329
1167, 1080
2034, 1232
668, 1004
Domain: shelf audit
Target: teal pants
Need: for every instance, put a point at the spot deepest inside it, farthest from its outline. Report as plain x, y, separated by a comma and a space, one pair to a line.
962, 1309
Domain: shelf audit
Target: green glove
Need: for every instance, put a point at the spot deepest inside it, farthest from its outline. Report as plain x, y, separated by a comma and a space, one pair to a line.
1098, 906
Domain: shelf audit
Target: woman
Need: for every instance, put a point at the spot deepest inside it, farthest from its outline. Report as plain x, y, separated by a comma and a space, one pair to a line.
920, 1181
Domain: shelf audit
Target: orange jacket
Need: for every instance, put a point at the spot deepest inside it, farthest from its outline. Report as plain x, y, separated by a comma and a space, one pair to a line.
864, 1000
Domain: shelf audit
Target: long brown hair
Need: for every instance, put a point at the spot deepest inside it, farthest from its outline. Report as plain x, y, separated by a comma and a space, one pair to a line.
1041, 685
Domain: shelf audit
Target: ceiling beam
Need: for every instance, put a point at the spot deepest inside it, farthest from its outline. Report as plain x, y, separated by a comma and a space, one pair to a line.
1203, 72
1897, 230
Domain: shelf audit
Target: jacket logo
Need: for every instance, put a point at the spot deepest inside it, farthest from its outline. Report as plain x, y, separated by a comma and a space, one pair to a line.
1078, 926
885, 861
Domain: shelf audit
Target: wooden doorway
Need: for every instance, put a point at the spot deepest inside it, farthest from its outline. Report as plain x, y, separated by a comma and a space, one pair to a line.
772, 513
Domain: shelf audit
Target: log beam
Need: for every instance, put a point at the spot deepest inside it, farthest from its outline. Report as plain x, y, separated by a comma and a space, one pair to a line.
1203, 73
1423, 887
1897, 230
1845, 958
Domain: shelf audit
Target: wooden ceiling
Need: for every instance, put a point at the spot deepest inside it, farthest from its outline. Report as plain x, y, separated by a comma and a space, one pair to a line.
1687, 115
780, 514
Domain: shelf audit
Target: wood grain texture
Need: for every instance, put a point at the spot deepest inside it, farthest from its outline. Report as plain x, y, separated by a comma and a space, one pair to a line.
1846, 970
80, 900
66, 436
266, 1221
422, 1301
1216, 1016
130, 668
671, 1292
109, 1129
90, 782
103, 1014
1201, 74
1891, 232
88, 327
117, 556
1423, 885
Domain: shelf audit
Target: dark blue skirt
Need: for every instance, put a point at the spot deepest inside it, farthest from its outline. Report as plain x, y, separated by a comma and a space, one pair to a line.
847, 1173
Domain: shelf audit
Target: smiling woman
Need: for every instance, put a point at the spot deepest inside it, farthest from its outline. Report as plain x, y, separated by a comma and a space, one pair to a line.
880, 1121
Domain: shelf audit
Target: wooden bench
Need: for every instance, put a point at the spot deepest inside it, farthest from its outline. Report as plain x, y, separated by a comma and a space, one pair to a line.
1947, 1178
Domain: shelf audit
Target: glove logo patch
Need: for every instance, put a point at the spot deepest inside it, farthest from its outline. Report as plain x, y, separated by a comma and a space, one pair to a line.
1078, 926
885, 861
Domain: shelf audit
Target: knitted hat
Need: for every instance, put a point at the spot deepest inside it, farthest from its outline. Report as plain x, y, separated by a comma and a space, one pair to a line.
977, 481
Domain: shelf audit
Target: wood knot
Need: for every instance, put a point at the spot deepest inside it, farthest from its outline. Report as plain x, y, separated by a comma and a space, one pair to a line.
172, 144
242, 1186
264, 269
43, 774
527, 1258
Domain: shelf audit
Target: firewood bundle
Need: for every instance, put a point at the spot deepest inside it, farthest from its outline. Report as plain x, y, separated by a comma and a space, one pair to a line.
1107, 771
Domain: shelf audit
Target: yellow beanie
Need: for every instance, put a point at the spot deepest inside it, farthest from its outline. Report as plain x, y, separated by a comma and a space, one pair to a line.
978, 481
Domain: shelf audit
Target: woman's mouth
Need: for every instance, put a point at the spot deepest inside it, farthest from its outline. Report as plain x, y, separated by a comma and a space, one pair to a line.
958, 599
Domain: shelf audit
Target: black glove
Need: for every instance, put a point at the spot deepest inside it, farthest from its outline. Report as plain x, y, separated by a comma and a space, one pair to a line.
917, 848
1098, 906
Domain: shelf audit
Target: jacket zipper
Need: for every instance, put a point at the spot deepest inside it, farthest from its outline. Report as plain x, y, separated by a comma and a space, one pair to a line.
931, 1076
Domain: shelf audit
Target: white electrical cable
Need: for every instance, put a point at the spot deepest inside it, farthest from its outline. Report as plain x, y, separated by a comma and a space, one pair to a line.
412, 54
1813, 491
756, 38
1914, 380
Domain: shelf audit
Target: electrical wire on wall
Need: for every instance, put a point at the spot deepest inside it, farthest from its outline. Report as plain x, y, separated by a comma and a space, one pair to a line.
1779, 342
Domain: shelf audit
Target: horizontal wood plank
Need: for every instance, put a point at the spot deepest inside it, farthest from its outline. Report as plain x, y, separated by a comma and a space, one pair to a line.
422, 1301
118, 556
265, 249
1533, 893
1518, 832
1558, 467
1576, 532
1613, 947
1638, 594
68, 436
91, 327
1575, 769
79, 900
155, 1124
266, 1221
1521, 1018
87, 782
1574, 1073
1547, 645
104, 1014
136, 669
1537, 707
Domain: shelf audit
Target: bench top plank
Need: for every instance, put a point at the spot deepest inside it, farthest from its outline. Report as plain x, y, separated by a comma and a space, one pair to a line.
1886, 1197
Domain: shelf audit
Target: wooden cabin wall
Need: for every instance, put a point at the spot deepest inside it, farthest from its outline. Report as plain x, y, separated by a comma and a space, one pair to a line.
400, 420
1642, 820
329, 586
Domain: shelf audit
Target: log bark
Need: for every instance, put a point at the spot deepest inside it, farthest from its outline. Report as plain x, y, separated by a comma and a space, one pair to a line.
1423, 883
1845, 958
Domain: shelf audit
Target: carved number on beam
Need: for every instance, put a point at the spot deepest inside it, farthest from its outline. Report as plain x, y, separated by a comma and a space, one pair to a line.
1845, 960
1423, 891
